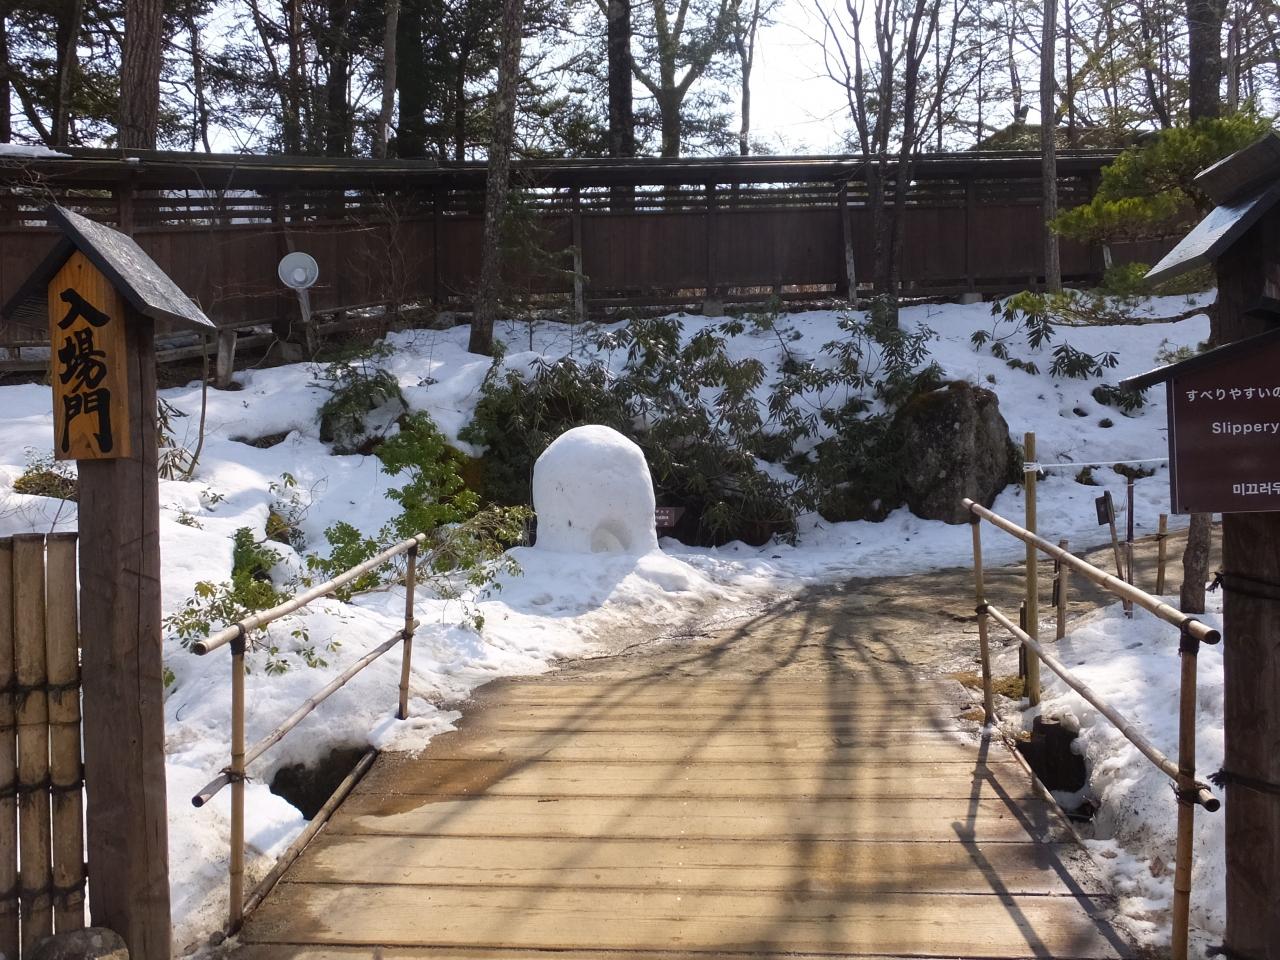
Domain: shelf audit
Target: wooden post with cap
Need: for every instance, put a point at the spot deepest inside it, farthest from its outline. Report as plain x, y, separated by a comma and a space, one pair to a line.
1230, 472
103, 296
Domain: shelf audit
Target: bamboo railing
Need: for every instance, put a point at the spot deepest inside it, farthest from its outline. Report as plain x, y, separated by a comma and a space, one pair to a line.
234, 774
41, 780
1189, 791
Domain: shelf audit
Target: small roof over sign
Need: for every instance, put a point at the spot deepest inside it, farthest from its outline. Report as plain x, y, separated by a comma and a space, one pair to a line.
142, 283
1244, 172
1216, 232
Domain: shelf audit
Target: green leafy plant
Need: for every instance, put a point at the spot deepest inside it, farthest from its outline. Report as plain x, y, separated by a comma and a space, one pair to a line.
288, 510
46, 477
1034, 317
357, 387
1126, 401
1149, 190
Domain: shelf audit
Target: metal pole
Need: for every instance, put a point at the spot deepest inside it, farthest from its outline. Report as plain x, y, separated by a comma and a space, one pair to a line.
236, 905
984, 647
1033, 574
410, 581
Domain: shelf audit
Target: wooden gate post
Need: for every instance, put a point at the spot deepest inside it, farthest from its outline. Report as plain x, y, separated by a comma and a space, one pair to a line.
104, 296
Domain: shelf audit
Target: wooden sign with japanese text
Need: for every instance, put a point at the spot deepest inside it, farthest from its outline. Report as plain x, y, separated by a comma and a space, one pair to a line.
1224, 435
88, 366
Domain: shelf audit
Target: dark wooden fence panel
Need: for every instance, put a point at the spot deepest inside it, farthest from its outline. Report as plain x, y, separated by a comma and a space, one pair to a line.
766, 248
971, 223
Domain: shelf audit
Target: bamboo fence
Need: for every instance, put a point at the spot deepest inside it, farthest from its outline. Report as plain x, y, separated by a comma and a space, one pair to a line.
234, 774
1189, 791
41, 778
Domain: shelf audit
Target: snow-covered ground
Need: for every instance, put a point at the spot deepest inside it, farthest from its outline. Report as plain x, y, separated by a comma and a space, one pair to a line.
561, 604
1134, 666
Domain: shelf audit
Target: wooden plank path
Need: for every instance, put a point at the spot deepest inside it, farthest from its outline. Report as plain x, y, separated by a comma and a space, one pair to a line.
700, 814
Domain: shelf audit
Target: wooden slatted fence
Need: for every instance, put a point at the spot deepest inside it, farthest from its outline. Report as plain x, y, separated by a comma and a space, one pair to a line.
42, 870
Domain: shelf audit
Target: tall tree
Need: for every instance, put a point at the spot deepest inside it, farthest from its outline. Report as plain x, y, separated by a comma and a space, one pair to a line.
66, 45
748, 16
1204, 60
677, 49
140, 73
622, 131
391, 28
1049, 146
498, 179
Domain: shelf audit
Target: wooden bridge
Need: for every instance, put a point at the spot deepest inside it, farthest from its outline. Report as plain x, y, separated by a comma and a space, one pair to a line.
764, 792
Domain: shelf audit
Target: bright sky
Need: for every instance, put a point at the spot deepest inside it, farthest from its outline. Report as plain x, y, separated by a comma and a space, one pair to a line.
795, 107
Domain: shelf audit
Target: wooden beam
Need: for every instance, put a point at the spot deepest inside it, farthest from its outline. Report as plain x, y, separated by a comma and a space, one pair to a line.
126, 822
1250, 654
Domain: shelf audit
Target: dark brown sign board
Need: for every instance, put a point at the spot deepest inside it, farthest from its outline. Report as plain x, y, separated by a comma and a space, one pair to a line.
1224, 427
667, 517
1105, 508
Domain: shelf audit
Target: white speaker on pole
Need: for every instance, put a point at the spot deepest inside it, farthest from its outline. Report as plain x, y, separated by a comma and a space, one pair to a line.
298, 270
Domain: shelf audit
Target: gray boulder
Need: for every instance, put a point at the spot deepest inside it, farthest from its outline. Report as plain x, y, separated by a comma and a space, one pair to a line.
955, 444
92, 943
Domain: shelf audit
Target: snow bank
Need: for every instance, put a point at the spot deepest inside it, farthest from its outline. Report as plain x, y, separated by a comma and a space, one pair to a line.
565, 604
593, 493
28, 151
1134, 665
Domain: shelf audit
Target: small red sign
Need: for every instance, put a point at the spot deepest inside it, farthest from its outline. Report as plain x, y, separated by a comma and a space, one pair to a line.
1224, 435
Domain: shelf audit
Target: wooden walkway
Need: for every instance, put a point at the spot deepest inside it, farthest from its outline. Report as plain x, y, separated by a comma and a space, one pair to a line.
804, 809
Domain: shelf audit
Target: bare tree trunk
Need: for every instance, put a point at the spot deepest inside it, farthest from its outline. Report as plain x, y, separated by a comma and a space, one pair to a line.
1204, 56
1195, 563
140, 73
1049, 147
499, 178
622, 133
6, 91
337, 103
66, 45
388, 79
201, 105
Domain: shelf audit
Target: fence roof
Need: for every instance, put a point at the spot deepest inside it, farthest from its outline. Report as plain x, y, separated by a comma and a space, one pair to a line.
159, 169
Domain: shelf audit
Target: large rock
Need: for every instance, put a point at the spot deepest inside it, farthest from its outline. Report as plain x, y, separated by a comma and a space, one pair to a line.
955, 444
92, 943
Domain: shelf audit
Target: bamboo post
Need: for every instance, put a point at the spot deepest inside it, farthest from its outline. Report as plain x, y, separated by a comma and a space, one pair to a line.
236, 770
8, 762
1060, 589
1115, 547
1187, 790
65, 772
1031, 468
406, 656
1128, 542
579, 279
1171, 615
33, 738
1162, 551
984, 647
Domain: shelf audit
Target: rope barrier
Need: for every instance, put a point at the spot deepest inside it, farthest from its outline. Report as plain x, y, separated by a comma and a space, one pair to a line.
1244, 585
1032, 467
1225, 777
